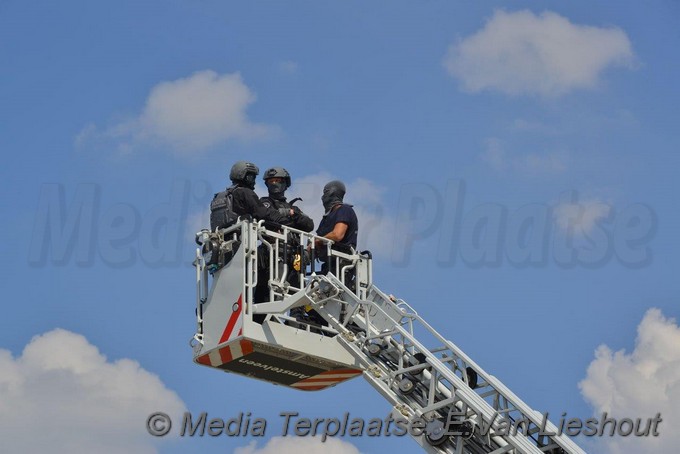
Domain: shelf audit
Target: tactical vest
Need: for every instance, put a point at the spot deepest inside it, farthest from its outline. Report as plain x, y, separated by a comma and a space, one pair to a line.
221, 210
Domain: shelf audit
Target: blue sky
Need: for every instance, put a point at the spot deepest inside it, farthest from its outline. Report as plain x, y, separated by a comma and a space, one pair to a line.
562, 117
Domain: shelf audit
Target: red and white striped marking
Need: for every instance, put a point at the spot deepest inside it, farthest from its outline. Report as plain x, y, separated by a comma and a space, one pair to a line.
234, 326
235, 350
326, 379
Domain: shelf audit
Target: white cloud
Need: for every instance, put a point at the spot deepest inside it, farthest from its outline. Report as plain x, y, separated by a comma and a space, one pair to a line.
295, 445
533, 126
364, 195
62, 395
550, 162
368, 202
198, 221
524, 53
547, 163
580, 216
640, 385
494, 154
288, 67
186, 115
309, 188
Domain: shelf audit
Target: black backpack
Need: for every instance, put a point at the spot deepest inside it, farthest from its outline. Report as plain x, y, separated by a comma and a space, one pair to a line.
221, 210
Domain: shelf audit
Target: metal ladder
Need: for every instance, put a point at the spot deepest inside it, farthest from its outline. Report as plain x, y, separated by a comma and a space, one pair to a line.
425, 376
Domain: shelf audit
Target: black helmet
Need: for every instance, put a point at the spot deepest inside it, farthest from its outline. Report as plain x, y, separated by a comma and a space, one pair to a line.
244, 172
333, 193
277, 172
277, 190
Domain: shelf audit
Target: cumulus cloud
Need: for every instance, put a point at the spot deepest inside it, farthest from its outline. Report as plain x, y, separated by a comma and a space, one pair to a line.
640, 384
547, 163
524, 53
580, 216
550, 162
364, 195
295, 445
494, 154
186, 115
288, 67
62, 395
533, 126
198, 221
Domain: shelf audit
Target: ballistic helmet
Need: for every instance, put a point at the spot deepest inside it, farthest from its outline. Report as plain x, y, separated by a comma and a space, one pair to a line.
277, 172
244, 173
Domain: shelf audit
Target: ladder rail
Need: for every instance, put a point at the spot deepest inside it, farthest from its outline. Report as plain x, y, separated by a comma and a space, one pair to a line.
421, 373
499, 391
384, 382
444, 361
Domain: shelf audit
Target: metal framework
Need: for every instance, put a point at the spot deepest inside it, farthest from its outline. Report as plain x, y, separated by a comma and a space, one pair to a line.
422, 374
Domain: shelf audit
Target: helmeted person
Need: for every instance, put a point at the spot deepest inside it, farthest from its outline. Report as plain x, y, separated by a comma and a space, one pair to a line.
341, 225
340, 222
241, 200
277, 180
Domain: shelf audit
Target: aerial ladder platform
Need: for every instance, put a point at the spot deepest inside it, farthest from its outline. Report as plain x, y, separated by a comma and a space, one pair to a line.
356, 330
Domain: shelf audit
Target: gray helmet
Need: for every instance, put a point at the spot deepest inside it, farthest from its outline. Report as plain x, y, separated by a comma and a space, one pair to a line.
333, 193
244, 172
277, 172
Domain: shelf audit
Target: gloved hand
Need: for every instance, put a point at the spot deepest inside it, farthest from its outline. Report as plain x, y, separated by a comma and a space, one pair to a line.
300, 261
284, 211
297, 212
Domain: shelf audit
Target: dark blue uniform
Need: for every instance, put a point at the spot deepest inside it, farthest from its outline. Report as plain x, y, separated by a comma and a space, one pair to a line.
345, 214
